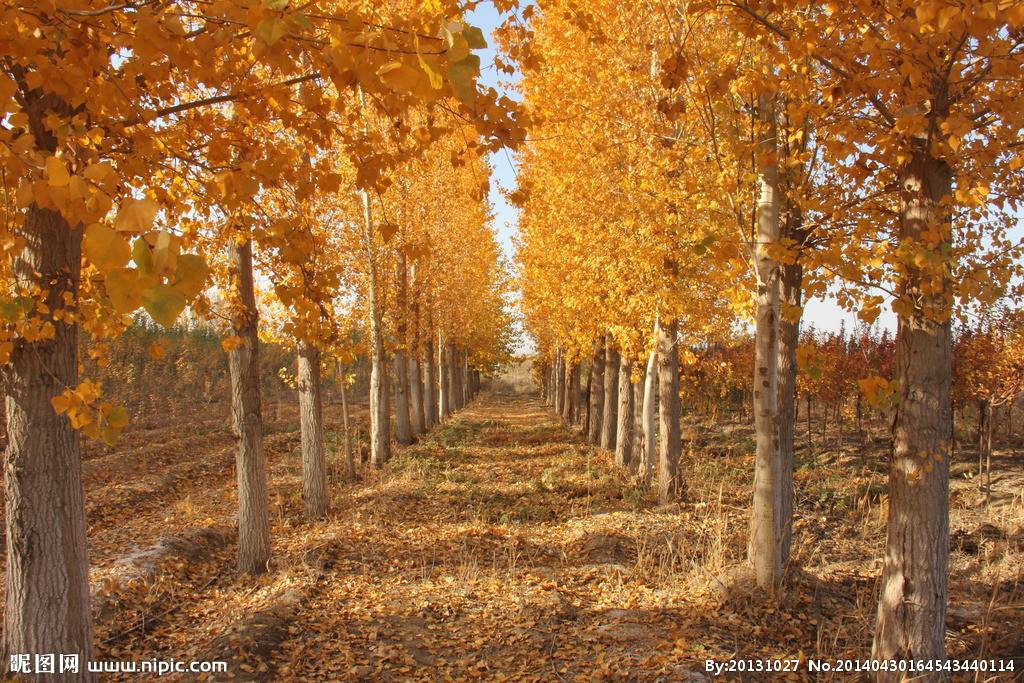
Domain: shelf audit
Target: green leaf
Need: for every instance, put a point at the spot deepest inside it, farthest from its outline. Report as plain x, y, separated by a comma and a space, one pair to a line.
163, 303
701, 247
463, 75
475, 38
143, 256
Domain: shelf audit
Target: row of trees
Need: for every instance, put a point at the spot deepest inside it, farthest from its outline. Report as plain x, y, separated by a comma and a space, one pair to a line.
698, 166
845, 377
325, 152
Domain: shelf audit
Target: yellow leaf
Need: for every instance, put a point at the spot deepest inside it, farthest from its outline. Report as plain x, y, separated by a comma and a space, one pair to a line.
123, 289
97, 172
165, 252
191, 274
399, 76
63, 402
946, 14
271, 30
57, 173
136, 215
104, 248
231, 343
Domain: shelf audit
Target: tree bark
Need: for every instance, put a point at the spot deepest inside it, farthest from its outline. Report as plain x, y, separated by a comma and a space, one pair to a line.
569, 373
445, 394
637, 455
912, 605
311, 427
650, 452
429, 388
596, 404
47, 580
380, 424
453, 378
350, 465
416, 398
669, 412
579, 400
609, 420
625, 414
400, 380
789, 339
415, 354
764, 550
250, 461
400, 376
559, 384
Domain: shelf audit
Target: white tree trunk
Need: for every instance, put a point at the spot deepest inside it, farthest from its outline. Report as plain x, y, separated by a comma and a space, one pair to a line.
380, 426
311, 427
400, 376
766, 533
650, 428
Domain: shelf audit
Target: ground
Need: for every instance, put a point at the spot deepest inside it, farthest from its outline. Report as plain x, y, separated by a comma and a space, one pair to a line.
502, 547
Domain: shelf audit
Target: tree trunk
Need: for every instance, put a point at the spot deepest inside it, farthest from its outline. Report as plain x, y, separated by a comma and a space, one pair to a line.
669, 412
47, 580
983, 418
579, 400
400, 375
416, 398
429, 388
764, 550
400, 380
596, 403
311, 427
380, 425
453, 380
637, 457
414, 355
625, 414
912, 605
568, 409
988, 456
250, 462
350, 465
789, 339
810, 441
650, 428
558, 383
445, 401
609, 421
584, 404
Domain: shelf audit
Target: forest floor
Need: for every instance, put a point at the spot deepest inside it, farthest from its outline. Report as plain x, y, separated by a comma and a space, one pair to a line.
502, 547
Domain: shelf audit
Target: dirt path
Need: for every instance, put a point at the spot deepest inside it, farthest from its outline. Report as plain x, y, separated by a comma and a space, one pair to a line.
499, 548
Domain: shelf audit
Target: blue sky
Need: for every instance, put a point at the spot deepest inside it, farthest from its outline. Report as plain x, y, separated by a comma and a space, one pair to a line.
824, 314
503, 174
